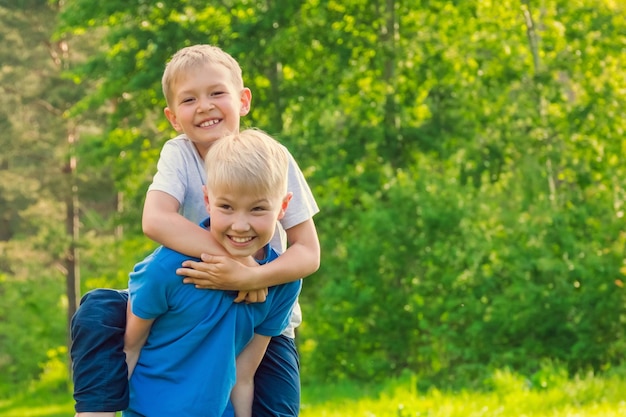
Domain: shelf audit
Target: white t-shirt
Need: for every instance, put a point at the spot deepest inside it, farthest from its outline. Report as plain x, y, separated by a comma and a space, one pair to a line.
181, 174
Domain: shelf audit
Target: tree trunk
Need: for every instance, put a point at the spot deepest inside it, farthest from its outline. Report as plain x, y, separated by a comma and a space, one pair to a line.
388, 35
73, 229
533, 43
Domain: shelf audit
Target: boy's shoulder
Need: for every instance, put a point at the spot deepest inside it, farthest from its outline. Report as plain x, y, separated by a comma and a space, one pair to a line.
162, 261
180, 142
178, 153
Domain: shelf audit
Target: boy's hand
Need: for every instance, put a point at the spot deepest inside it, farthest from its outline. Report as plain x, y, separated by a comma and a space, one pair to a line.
254, 296
219, 273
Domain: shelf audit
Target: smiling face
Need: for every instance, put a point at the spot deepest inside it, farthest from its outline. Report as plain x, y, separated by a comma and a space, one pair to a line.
246, 190
206, 105
241, 221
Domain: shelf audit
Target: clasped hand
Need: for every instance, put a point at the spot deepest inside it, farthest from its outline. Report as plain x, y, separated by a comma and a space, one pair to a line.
223, 273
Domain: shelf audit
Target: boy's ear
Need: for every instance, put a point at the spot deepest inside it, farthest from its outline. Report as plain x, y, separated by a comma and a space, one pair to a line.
171, 116
246, 99
206, 199
284, 205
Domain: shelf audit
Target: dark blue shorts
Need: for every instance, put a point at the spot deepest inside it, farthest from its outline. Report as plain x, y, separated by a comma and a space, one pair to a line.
101, 377
98, 360
277, 380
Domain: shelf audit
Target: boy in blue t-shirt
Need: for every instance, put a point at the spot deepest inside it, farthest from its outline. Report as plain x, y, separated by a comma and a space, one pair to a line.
186, 348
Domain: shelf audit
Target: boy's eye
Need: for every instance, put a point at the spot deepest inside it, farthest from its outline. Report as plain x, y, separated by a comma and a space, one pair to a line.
218, 93
258, 208
224, 206
187, 100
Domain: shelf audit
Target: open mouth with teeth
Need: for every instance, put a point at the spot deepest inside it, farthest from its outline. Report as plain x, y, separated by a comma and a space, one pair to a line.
241, 240
208, 123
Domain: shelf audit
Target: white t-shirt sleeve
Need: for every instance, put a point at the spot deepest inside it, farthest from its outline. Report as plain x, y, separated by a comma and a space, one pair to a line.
180, 173
171, 176
302, 206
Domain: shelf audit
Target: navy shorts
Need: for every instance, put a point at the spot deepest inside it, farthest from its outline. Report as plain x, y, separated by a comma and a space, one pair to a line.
98, 361
101, 377
277, 380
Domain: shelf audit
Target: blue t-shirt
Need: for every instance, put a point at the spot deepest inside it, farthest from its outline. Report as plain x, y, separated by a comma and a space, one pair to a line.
187, 365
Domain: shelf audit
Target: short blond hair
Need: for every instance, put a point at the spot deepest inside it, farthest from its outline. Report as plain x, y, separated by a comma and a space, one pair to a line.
193, 57
251, 161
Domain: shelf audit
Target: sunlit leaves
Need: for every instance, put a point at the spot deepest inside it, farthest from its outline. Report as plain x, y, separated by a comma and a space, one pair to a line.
466, 156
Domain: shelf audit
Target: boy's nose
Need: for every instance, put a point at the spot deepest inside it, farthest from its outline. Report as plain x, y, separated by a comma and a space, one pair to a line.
240, 224
205, 105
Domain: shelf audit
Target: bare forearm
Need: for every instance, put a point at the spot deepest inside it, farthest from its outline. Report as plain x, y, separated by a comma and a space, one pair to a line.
176, 232
301, 259
162, 223
297, 262
247, 363
242, 397
135, 336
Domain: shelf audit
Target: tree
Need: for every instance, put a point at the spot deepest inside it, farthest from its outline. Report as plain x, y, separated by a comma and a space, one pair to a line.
41, 189
34, 248
462, 153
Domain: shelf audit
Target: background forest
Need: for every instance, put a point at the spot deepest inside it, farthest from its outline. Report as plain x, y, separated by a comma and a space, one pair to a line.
466, 157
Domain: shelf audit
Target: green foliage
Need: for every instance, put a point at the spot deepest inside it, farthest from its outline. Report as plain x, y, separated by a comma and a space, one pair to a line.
49, 395
457, 165
36, 187
489, 251
33, 321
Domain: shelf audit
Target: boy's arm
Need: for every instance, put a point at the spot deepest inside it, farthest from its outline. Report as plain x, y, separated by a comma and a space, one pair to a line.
137, 330
248, 361
302, 258
162, 223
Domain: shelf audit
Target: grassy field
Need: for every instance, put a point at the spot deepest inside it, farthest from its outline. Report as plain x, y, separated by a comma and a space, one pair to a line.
507, 395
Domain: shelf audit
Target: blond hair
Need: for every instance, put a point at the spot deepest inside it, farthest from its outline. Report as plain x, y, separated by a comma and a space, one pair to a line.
249, 161
193, 57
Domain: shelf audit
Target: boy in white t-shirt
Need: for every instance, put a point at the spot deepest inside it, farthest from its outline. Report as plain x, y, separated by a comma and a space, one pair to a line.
206, 97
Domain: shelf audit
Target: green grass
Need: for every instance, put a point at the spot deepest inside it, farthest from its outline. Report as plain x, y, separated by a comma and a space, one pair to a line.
505, 395
38, 403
